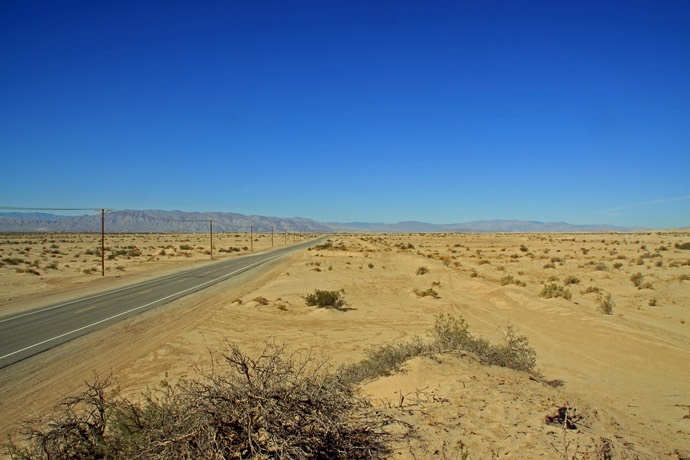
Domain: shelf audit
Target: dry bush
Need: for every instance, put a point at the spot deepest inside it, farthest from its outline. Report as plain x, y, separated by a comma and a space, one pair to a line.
554, 290
276, 405
426, 293
636, 279
325, 299
509, 279
571, 280
606, 303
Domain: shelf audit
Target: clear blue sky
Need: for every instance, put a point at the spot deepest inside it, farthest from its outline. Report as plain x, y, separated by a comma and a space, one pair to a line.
378, 111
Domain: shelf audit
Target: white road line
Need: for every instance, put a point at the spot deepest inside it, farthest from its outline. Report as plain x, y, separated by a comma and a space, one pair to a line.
137, 308
124, 288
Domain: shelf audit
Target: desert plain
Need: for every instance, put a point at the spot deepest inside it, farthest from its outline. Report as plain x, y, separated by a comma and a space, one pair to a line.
607, 314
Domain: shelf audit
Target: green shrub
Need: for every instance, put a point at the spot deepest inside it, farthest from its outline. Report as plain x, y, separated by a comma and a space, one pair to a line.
325, 299
554, 290
452, 334
509, 279
448, 335
606, 303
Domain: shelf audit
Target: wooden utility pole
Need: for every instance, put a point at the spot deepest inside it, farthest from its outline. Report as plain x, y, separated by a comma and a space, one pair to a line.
271, 236
251, 238
210, 226
103, 211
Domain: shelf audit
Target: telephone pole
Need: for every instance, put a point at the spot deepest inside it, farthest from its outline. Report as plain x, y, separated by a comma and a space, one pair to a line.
103, 211
210, 226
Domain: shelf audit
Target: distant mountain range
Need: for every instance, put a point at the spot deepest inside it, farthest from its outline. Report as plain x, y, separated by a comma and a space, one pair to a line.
154, 221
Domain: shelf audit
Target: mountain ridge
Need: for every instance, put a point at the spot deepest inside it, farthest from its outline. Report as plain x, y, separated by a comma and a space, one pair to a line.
160, 221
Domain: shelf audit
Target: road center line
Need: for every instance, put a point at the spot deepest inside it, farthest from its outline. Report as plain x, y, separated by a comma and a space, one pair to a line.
215, 280
124, 288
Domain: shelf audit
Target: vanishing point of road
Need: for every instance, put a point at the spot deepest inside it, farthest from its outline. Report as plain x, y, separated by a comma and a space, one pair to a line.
34, 331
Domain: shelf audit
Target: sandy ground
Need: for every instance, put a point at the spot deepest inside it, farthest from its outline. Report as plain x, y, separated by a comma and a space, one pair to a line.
624, 375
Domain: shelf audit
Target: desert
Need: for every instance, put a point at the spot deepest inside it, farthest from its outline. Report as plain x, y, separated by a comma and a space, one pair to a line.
607, 314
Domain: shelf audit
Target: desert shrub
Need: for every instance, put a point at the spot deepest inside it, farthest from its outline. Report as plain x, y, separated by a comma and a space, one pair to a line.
276, 405
684, 246
568, 280
13, 260
549, 265
381, 361
509, 279
448, 335
524, 248
652, 302
600, 266
325, 299
230, 249
452, 334
426, 293
186, 247
514, 352
422, 270
590, 289
636, 279
617, 265
606, 303
261, 300
327, 245
554, 290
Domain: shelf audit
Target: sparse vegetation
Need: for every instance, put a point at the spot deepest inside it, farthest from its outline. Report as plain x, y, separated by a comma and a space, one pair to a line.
606, 303
325, 299
276, 405
590, 289
509, 279
554, 290
426, 293
448, 335
636, 279
422, 270
568, 280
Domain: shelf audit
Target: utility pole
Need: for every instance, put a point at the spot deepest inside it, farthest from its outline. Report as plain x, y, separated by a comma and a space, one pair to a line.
210, 225
103, 211
271, 236
251, 238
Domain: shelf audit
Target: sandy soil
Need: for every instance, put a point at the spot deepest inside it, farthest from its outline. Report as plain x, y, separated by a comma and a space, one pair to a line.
625, 373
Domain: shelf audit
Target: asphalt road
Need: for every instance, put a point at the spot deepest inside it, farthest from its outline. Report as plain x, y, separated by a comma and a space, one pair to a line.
29, 333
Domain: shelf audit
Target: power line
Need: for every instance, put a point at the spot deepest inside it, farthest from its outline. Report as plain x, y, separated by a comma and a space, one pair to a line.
19, 208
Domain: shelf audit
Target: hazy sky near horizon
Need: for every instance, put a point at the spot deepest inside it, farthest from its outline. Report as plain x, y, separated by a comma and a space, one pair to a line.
377, 111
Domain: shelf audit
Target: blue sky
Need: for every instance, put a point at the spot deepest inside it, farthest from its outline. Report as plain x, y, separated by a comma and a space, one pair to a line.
378, 111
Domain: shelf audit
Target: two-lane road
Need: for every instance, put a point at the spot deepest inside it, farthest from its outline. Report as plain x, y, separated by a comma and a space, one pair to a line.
24, 335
